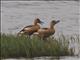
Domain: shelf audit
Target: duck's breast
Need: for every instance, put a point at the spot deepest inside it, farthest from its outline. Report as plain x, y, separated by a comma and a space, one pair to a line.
46, 32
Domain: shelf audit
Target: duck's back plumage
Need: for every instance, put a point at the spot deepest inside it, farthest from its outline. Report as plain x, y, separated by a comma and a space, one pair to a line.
29, 26
29, 30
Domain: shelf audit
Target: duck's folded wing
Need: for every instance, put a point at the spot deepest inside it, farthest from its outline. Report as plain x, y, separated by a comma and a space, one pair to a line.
27, 28
43, 30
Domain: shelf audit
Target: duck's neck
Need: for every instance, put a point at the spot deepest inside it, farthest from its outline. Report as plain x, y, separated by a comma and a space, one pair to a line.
51, 26
35, 23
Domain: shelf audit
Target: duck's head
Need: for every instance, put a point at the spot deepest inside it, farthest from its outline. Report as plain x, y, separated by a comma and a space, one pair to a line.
37, 20
53, 22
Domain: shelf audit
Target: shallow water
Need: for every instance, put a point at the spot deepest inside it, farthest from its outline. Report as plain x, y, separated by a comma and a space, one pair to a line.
48, 58
17, 14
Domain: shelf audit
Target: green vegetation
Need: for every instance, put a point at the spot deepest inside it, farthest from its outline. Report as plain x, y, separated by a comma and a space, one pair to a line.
12, 46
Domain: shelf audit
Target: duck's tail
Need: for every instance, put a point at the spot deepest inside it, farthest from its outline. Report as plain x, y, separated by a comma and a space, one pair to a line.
20, 33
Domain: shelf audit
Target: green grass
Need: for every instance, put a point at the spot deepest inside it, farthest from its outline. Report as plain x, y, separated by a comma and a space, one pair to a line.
14, 47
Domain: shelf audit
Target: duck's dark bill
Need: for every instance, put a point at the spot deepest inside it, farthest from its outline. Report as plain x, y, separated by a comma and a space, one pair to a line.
58, 21
41, 22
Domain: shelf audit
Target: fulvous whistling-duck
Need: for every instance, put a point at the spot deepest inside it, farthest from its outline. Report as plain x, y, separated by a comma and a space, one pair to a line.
46, 32
30, 29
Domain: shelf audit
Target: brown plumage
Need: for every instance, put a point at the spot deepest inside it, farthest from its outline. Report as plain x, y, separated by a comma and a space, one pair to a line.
29, 30
46, 32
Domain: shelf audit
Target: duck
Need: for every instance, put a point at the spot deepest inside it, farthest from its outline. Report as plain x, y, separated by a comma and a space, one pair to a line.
30, 29
44, 33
